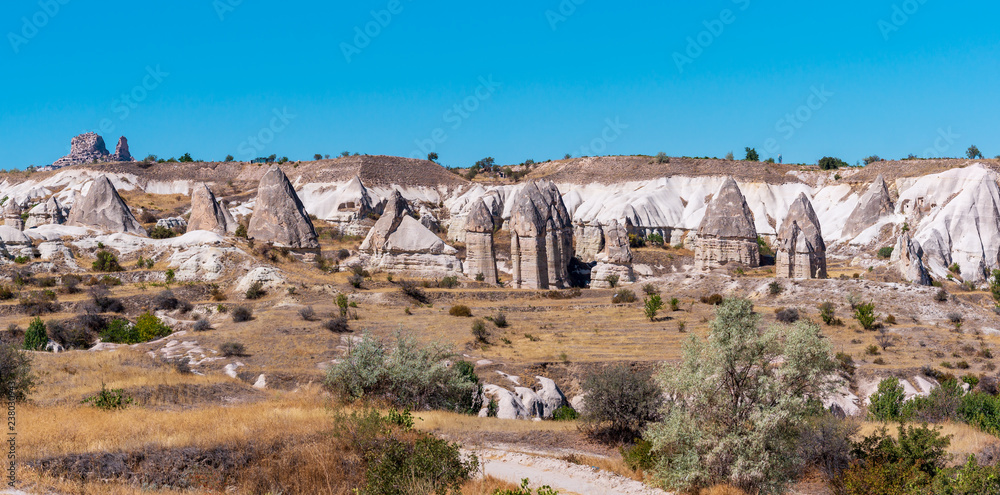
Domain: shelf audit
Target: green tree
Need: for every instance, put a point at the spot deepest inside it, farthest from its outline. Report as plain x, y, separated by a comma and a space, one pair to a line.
872, 159
317, 157
185, 158
15, 372
345, 154
887, 401
432, 156
865, 314
486, 164
229, 158
973, 153
735, 417
752, 155
995, 286
654, 304
831, 163
37, 336
620, 402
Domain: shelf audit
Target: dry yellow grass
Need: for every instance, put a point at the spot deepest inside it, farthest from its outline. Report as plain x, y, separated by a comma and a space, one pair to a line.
486, 486
453, 423
35, 481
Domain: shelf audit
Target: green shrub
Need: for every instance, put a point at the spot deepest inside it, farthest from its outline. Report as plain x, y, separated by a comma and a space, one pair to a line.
500, 319
405, 373
525, 490
885, 252
233, 349
342, 304
954, 268
639, 456
650, 289
36, 337
565, 413
20, 260
653, 304
774, 288
255, 291
6, 293
120, 331
429, 465
763, 247
865, 314
655, 239
714, 299
148, 327
337, 325
161, 232
460, 310
623, 296
981, 410
106, 262
480, 332
109, 400
448, 282
612, 280
675, 304
887, 401
620, 402
16, 379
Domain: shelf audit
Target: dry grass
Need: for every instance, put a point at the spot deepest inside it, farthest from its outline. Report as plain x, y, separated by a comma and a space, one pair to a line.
36, 481
486, 486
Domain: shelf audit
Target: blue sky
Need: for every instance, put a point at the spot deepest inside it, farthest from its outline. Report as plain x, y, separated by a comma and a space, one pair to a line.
523, 79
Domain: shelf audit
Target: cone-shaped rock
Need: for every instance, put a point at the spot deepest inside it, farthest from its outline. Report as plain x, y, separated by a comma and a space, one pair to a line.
102, 208
801, 249
541, 237
392, 216
207, 213
727, 232
12, 215
907, 257
278, 215
875, 204
399, 243
480, 255
49, 212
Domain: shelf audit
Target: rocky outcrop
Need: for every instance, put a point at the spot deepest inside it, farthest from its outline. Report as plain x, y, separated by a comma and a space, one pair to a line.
12, 215
47, 213
103, 209
727, 233
208, 214
427, 219
550, 396
907, 257
615, 260
279, 217
874, 204
121, 151
801, 249
173, 223
399, 243
15, 243
541, 238
589, 241
480, 258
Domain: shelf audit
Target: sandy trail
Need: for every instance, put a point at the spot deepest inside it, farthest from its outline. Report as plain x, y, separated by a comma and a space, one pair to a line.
565, 477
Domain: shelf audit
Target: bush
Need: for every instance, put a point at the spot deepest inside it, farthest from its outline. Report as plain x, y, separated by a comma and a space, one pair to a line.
774, 288
109, 400
846, 363
355, 281
106, 262
242, 313
161, 232
612, 280
166, 300
885, 252
653, 304
460, 310
831, 163
787, 315
828, 314
639, 456
412, 290
826, 444
865, 314
405, 373
36, 337
6, 293
428, 465
620, 402
887, 401
941, 295
233, 349
201, 326
148, 327
255, 291
623, 296
480, 332
39, 303
448, 282
650, 289
337, 325
16, 379
307, 313
714, 299
500, 319
103, 302
565, 413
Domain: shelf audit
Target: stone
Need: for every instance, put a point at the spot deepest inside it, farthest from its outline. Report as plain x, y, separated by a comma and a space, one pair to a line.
589, 241
121, 151
727, 233
509, 405
48, 213
270, 279
399, 243
480, 258
208, 214
85, 148
279, 217
551, 397
427, 219
172, 223
907, 257
103, 209
801, 249
874, 204
15, 243
541, 237
615, 259
532, 403
12, 215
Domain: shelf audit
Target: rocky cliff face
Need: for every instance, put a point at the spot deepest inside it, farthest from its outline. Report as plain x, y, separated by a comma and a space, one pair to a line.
907, 257
48, 213
279, 217
103, 209
398, 243
480, 256
121, 151
801, 249
875, 204
727, 233
208, 214
90, 148
615, 259
541, 237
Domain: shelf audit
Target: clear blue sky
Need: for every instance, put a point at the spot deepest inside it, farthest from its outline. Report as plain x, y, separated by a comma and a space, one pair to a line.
892, 89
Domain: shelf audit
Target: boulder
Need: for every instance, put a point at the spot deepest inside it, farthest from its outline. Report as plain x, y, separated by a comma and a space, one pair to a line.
541, 237
399, 243
47, 213
85, 148
270, 279
279, 217
172, 223
509, 405
103, 209
615, 259
121, 151
208, 214
801, 249
907, 257
727, 232
532, 403
874, 204
480, 258
12, 215
15, 243
551, 397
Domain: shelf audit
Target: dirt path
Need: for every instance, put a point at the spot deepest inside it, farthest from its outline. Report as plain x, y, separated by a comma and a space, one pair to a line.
565, 477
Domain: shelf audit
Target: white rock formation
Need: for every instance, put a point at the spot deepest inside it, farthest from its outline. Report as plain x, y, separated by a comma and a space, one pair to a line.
49, 212
399, 243
208, 214
615, 259
480, 258
541, 238
907, 257
875, 204
727, 233
801, 249
103, 209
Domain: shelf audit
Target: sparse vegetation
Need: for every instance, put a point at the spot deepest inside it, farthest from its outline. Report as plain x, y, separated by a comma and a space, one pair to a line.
623, 296
255, 291
241, 314
865, 314
232, 349
885, 252
106, 262
652, 305
337, 325
109, 400
16, 378
460, 310
620, 402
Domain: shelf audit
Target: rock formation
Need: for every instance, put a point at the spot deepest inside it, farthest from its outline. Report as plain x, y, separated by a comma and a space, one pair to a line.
49, 212
15, 243
541, 238
121, 151
874, 204
103, 209
279, 217
615, 259
801, 249
398, 243
589, 241
727, 232
208, 214
907, 257
480, 258
172, 223
12, 215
